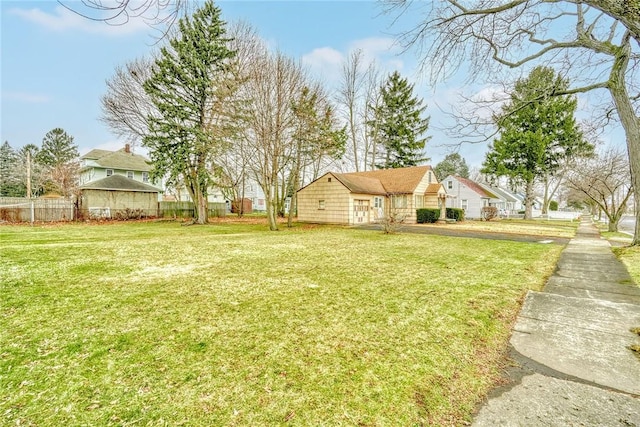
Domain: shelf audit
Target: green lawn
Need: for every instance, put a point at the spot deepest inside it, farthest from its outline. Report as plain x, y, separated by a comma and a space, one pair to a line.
229, 324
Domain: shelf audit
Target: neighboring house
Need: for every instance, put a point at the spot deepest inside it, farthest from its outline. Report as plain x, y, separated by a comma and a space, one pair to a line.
363, 197
107, 197
509, 203
469, 196
99, 164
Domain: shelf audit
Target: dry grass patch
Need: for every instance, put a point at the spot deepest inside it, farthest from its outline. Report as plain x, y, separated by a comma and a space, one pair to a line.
566, 229
227, 324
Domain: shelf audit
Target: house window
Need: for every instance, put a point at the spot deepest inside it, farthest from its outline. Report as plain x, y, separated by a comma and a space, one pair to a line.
130, 174
464, 204
329, 180
449, 185
145, 176
399, 202
321, 203
419, 202
109, 172
429, 175
377, 202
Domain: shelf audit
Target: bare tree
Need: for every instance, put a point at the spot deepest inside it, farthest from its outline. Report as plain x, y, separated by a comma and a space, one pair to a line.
126, 107
349, 95
357, 95
606, 181
273, 85
595, 41
160, 15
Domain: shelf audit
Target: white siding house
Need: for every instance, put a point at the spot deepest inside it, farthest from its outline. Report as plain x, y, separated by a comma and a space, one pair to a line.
462, 193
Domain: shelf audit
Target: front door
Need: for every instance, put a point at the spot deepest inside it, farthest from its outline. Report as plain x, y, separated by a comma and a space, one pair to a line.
360, 211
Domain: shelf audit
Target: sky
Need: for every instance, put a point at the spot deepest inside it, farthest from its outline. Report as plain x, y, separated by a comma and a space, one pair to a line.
54, 63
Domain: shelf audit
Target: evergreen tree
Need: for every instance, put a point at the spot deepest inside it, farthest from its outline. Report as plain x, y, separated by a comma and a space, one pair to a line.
189, 86
399, 124
10, 185
538, 131
59, 158
453, 164
57, 148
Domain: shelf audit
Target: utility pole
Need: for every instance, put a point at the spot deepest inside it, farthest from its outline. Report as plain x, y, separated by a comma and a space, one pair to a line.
28, 174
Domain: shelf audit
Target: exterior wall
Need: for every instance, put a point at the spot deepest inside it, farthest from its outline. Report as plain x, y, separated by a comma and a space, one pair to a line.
462, 192
338, 203
120, 200
95, 173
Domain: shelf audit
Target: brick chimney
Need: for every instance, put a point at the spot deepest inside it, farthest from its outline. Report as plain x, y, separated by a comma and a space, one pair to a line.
127, 148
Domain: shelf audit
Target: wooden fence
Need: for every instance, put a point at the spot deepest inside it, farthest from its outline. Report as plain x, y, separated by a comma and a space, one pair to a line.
185, 209
22, 209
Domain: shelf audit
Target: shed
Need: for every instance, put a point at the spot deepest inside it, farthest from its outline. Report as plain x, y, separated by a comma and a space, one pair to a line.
117, 195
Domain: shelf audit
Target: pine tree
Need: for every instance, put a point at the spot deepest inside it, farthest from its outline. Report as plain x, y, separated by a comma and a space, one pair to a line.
538, 131
453, 164
59, 157
399, 124
10, 185
57, 148
189, 86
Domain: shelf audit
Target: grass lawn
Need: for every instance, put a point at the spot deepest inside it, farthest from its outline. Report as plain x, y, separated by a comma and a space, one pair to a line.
229, 324
630, 256
536, 227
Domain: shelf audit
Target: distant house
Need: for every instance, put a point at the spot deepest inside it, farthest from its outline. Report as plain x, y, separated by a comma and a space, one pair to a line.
99, 164
363, 197
510, 203
469, 196
107, 197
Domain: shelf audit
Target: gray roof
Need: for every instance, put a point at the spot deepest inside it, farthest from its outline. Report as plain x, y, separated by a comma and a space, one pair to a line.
120, 183
120, 159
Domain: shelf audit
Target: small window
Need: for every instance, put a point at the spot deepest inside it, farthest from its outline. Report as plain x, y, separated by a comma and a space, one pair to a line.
464, 204
109, 172
449, 185
321, 203
377, 202
329, 180
145, 176
429, 177
130, 174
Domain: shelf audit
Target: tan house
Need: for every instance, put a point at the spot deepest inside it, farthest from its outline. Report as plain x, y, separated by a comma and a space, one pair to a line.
363, 197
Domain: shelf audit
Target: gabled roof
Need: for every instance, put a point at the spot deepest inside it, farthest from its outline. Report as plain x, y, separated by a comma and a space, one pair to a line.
120, 183
434, 188
120, 159
396, 181
476, 187
360, 184
502, 193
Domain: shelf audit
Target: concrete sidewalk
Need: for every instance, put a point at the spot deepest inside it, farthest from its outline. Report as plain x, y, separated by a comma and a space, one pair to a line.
571, 344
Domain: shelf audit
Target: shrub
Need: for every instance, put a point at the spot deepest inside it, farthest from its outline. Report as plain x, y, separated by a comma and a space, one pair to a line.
553, 205
489, 212
128, 213
427, 215
455, 213
391, 223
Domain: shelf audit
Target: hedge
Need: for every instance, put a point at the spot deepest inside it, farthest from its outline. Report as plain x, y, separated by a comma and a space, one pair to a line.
427, 215
455, 213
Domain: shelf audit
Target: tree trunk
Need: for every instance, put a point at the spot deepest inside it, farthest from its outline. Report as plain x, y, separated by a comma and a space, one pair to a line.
528, 200
272, 216
631, 125
545, 199
202, 211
